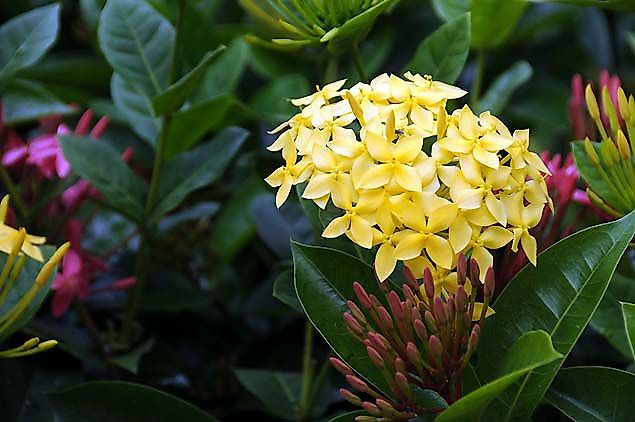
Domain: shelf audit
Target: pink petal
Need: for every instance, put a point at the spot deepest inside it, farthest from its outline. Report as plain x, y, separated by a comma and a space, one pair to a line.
62, 300
14, 156
124, 283
72, 264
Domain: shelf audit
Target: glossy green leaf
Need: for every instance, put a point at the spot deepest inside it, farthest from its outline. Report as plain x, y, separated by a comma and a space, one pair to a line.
189, 125
628, 313
284, 290
121, 187
21, 286
608, 319
25, 101
235, 225
593, 393
224, 74
450, 9
559, 296
442, 54
531, 351
177, 93
502, 88
198, 168
278, 391
594, 178
494, 20
138, 42
26, 38
623, 5
136, 108
116, 401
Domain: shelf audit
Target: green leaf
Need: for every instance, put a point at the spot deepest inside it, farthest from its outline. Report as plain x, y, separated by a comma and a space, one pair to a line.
593, 177
278, 391
102, 166
559, 296
450, 9
171, 292
26, 38
494, 20
138, 42
176, 94
623, 5
116, 401
235, 225
348, 417
608, 319
532, 350
502, 88
442, 54
21, 286
130, 361
24, 101
272, 101
594, 393
189, 125
223, 76
284, 290
136, 108
197, 168
628, 313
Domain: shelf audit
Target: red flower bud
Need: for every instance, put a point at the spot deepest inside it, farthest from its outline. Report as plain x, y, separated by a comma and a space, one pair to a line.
357, 383
340, 366
362, 296
350, 397
375, 357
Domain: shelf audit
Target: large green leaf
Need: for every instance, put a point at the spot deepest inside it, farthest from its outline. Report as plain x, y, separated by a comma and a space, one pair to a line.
102, 166
136, 108
278, 391
623, 5
608, 319
197, 168
500, 91
628, 312
450, 9
222, 76
25, 101
22, 285
176, 94
27, 37
559, 296
190, 124
593, 393
138, 42
494, 20
532, 350
116, 401
284, 290
442, 54
324, 282
594, 178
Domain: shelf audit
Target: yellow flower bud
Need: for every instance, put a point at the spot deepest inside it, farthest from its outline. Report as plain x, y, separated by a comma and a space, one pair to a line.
591, 103
49, 267
4, 206
622, 145
590, 152
622, 102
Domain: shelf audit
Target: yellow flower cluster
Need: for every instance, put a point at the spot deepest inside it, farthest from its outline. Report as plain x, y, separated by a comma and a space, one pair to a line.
421, 184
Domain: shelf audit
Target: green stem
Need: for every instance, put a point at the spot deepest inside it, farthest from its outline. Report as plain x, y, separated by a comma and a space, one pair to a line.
357, 57
307, 371
330, 73
145, 225
13, 192
478, 79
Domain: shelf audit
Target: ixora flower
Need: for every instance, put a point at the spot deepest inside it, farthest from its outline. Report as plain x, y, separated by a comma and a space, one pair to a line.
607, 165
18, 246
363, 149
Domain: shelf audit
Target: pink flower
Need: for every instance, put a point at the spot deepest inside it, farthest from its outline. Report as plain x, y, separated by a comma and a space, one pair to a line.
71, 282
15, 151
46, 154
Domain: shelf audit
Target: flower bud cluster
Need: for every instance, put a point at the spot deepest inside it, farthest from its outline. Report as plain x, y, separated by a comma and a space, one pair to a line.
417, 340
409, 178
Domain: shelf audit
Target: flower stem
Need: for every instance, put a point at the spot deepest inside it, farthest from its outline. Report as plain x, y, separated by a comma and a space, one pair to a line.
477, 82
357, 57
307, 372
13, 191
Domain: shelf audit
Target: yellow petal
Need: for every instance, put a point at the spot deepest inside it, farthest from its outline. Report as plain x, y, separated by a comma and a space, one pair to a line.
468, 124
456, 144
532, 214
361, 231
469, 199
497, 208
276, 178
378, 147
460, 233
441, 218
385, 261
376, 176
284, 190
471, 169
492, 141
323, 158
496, 237
319, 185
478, 308
337, 226
484, 259
485, 157
344, 142
407, 177
408, 148
410, 246
529, 246
439, 250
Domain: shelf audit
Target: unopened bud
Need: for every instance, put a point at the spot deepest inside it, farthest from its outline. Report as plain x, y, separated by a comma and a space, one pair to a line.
355, 107
490, 284
47, 270
609, 109
362, 296
461, 269
402, 383
591, 152
353, 325
442, 125
385, 318
340, 366
622, 103
375, 357
371, 408
356, 312
386, 408
29, 344
420, 329
591, 102
436, 349
439, 310
431, 324
4, 207
46, 345
622, 145
475, 271
365, 418
357, 383
18, 242
413, 354
461, 299
395, 305
350, 397
408, 294
400, 365
428, 283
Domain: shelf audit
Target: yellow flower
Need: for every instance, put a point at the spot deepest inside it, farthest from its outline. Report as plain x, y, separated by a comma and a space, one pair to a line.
9, 236
363, 150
